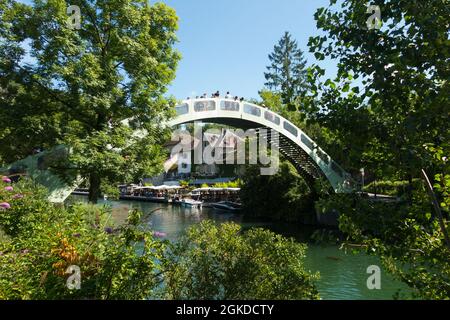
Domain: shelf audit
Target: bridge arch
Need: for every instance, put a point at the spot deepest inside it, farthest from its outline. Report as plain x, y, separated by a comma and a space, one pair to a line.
308, 158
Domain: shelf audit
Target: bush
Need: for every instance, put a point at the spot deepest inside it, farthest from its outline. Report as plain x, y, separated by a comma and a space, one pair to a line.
42, 241
230, 184
222, 262
391, 188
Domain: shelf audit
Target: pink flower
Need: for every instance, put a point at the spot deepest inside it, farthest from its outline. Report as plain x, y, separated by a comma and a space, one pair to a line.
159, 234
6, 179
9, 188
18, 196
5, 205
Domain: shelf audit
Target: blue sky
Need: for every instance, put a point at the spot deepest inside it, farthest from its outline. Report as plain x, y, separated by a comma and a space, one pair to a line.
225, 43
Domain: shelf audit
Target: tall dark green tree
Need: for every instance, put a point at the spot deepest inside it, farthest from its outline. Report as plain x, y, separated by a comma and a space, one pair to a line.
286, 73
114, 67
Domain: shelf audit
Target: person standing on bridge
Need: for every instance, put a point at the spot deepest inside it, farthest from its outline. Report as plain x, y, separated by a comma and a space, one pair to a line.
227, 96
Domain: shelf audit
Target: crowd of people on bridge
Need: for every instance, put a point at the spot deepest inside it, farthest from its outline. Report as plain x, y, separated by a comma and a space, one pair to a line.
217, 95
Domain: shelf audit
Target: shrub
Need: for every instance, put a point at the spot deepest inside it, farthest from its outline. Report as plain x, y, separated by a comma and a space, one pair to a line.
41, 244
44, 240
223, 262
391, 188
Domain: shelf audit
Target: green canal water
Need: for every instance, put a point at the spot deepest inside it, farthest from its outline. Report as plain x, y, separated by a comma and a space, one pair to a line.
342, 275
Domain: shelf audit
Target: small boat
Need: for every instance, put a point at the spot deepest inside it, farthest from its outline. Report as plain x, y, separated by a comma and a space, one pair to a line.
227, 206
191, 203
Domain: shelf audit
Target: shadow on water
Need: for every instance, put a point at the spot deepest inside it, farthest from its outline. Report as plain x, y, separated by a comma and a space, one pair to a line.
342, 275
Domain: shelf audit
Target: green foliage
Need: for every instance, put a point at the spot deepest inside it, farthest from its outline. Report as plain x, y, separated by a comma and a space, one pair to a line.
390, 95
391, 188
183, 183
223, 262
283, 196
230, 184
40, 241
287, 73
84, 83
44, 240
274, 101
441, 157
26, 205
408, 239
388, 101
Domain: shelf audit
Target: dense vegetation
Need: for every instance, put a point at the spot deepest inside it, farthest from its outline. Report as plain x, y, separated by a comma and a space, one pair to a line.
75, 87
386, 110
224, 262
281, 197
389, 105
39, 243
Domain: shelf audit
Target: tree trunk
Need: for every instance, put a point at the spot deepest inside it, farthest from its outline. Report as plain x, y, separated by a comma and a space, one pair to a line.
94, 188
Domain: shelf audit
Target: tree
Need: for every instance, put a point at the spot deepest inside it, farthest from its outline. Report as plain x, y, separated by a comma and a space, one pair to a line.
390, 95
115, 67
292, 201
286, 73
390, 102
27, 111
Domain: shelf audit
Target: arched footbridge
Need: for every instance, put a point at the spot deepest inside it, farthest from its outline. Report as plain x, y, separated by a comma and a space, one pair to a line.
308, 158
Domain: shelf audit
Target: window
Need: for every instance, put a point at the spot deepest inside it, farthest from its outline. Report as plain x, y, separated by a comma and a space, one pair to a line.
201, 106
254, 111
337, 169
307, 142
290, 128
323, 156
271, 117
229, 105
182, 109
